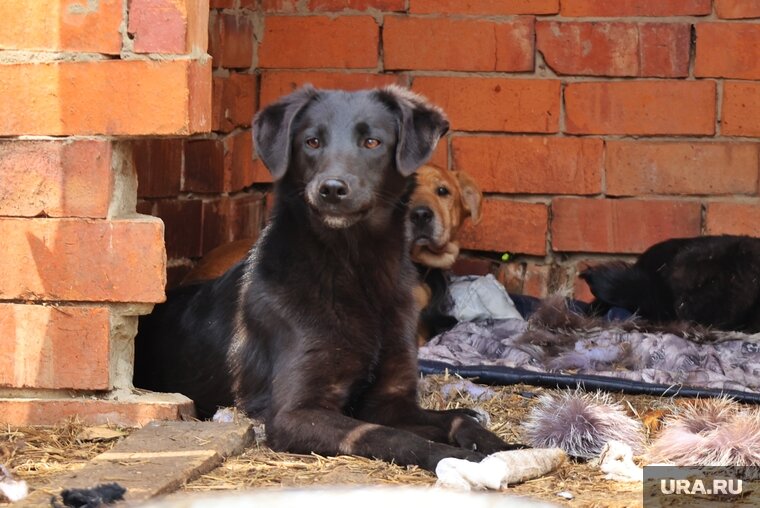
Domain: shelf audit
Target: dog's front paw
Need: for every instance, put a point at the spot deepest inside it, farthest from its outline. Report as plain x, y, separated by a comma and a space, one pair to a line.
470, 435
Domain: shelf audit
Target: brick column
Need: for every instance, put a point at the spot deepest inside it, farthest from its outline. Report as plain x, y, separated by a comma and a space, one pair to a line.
79, 264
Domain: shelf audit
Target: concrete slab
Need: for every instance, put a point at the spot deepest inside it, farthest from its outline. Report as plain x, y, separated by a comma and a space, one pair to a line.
156, 459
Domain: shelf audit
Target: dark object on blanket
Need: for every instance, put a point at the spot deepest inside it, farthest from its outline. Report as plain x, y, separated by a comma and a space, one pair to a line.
314, 332
101, 495
711, 280
434, 317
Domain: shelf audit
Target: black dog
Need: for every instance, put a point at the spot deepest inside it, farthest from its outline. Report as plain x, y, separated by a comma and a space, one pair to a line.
315, 331
711, 280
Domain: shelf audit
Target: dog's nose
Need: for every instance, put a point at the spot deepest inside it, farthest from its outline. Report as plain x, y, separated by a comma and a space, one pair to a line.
421, 215
333, 190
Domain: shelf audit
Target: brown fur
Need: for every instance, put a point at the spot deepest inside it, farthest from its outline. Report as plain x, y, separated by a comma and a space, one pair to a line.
218, 261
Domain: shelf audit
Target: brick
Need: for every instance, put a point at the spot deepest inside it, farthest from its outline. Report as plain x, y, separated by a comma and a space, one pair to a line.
465, 265
219, 165
279, 6
531, 164
607, 8
228, 219
620, 226
260, 173
159, 166
741, 109
65, 98
55, 179
495, 104
234, 101
641, 107
135, 411
615, 49
82, 260
536, 281
46, 347
222, 4
458, 44
168, 26
486, 7
231, 40
511, 276
348, 42
728, 50
737, 9
277, 83
205, 167
508, 226
726, 218
183, 222
581, 291
61, 25
356, 5
640, 167
440, 155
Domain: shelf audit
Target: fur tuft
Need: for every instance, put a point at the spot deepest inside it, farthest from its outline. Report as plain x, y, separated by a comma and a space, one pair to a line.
711, 432
581, 424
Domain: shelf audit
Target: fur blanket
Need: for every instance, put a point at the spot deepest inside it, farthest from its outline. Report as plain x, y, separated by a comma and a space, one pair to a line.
557, 341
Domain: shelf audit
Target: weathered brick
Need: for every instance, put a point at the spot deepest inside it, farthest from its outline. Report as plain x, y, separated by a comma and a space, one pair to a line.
229, 219
55, 179
615, 48
357, 5
615, 8
205, 168
466, 265
277, 83
222, 4
260, 173
125, 412
640, 167
234, 101
168, 26
279, 6
458, 44
231, 40
728, 50
61, 25
641, 107
512, 275
621, 226
737, 9
64, 98
342, 43
183, 223
727, 218
536, 281
740, 114
531, 164
82, 260
158, 163
219, 165
487, 7
508, 226
46, 347
495, 104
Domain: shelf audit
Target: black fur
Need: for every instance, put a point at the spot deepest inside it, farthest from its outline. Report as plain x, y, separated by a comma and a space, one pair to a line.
711, 280
435, 316
315, 331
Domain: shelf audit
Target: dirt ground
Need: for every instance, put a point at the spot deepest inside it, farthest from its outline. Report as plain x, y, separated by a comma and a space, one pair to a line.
37, 454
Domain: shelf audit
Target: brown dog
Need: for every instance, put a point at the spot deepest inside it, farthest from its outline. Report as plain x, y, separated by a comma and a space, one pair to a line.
441, 202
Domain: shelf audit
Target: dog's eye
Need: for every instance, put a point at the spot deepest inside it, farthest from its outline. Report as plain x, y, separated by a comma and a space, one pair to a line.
313, 142
371, 143
442, 191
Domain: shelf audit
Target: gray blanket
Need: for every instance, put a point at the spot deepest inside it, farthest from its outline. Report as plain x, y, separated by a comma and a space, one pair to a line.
685, 357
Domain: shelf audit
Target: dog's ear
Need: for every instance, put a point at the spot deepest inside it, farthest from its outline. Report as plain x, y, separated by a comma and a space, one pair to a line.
421, 125
470, 194
271, 129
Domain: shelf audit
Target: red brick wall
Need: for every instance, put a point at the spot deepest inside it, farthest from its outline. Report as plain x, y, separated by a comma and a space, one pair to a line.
77, 79
595, 128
